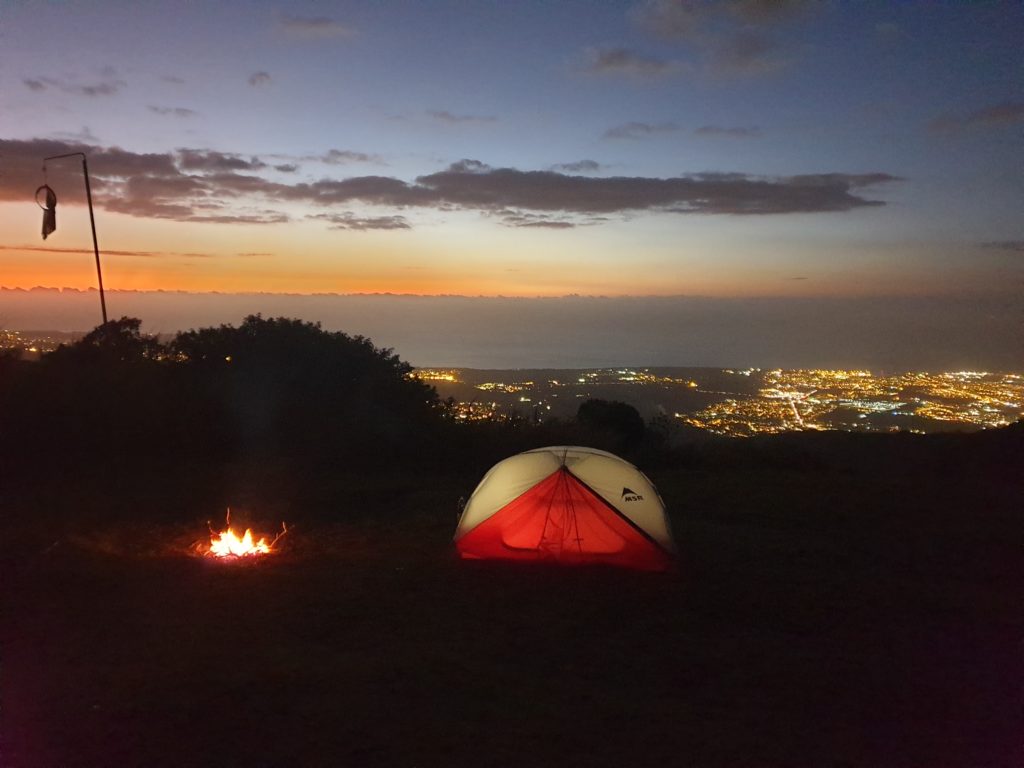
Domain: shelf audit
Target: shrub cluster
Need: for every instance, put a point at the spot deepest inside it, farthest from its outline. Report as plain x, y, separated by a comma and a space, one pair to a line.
266, 387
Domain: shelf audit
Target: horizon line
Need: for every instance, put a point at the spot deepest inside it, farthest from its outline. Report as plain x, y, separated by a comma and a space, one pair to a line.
533, 297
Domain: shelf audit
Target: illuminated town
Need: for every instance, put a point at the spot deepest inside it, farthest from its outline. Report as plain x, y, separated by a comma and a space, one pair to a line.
740, 403
732, 402
31, 344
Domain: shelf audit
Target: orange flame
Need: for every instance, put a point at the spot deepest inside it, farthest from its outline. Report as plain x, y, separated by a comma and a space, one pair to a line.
228, 543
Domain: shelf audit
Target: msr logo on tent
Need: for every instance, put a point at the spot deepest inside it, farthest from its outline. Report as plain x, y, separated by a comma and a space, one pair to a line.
628, 494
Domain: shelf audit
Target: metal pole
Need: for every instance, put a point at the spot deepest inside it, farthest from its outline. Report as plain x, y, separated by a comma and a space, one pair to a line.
92, 222
95, 244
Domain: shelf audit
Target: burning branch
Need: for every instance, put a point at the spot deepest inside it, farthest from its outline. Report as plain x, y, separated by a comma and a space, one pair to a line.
284, 530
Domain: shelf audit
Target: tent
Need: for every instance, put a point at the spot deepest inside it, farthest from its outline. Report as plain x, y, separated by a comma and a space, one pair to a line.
567, 504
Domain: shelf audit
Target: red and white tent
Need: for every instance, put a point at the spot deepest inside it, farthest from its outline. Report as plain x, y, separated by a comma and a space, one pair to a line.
567, 504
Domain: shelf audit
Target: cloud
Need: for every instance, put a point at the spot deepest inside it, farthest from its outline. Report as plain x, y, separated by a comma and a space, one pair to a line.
208, 160
469, 166
702, 193
239, 184
445, 116
210, 186
104, 252
520, 220
994, 116
101, 89
150, 185
737, 38
670, 20
314, 28
175, 111
46, 249
371, 190
542, 223
728, 133
349, 221
1016, 246
640, 130
343, 156
257, 79
621, 61
580, 166
286, 167
769, 11
747, 53
253, 217
84, 134
106, 87
173, 79
689, 20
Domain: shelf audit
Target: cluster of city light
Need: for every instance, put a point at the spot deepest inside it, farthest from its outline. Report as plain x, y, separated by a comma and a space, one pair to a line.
745, 417
476, 411
448, 375
16, 340
824, 399
500, 386
644, 376
770, 401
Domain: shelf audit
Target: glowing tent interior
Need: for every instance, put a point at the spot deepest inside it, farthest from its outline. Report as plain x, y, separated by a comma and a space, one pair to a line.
567, 504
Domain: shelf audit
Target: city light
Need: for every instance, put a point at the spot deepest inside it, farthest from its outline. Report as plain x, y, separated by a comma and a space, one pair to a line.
764, 401
732, 402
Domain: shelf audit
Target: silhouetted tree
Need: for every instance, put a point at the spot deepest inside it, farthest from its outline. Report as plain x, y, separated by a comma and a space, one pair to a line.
288, 385
616, 425
105, 393
114, 341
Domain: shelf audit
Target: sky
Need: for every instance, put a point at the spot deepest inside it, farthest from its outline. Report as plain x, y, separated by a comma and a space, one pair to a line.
835, 156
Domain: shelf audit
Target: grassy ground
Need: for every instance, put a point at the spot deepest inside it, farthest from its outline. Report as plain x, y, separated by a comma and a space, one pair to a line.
823, 615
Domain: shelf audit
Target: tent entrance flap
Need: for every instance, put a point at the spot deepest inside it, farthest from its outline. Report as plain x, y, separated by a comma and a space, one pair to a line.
559, 515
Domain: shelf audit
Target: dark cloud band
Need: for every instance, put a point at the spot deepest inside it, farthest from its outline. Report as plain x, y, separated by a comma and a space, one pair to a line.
205, 185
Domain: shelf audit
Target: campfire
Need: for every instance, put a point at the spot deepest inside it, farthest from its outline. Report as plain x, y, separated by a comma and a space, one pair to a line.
227, 543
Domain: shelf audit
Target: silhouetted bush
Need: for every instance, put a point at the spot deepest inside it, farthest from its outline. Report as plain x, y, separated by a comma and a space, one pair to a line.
106, 394
270, 387
287, 386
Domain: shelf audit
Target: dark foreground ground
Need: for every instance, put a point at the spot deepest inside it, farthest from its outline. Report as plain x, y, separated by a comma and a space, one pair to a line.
831, 614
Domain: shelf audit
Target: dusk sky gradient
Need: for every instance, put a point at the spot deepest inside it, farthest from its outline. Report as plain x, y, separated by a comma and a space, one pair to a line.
778, 150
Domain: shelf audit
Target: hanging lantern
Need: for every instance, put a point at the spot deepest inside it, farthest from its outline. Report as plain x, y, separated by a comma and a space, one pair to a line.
49, 209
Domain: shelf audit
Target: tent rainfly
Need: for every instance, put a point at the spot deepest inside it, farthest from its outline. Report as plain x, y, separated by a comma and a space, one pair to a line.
570, 505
